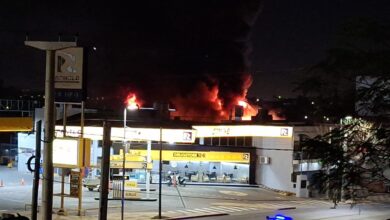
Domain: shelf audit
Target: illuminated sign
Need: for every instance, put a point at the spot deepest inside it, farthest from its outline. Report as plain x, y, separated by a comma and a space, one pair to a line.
69, 68
131, 165
136, 134
237, 157
178, 135
68, 75
243, 131
70, 152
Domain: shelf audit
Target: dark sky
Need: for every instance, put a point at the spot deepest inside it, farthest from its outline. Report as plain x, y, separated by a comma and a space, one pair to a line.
166, 47
290, 35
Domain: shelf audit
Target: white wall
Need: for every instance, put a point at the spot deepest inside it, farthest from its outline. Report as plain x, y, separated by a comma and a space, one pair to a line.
26, 148
276, 174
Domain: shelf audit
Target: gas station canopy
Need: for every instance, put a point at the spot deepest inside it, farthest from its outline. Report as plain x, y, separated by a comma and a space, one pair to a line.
14, 124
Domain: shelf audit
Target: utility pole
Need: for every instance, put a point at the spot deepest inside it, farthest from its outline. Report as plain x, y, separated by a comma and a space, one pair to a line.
49, 121
105, 168
34, 203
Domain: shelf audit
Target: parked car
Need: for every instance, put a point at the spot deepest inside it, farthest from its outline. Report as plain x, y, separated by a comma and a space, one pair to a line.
92, 183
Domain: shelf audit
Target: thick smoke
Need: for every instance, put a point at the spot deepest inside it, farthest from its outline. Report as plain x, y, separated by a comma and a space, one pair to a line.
225, 64
195, 58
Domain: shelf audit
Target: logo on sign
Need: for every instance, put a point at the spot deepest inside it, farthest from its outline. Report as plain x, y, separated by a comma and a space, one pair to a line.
69, 68
187, 136
284, 132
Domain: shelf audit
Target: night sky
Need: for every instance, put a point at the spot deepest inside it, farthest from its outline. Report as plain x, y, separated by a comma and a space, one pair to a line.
164, 48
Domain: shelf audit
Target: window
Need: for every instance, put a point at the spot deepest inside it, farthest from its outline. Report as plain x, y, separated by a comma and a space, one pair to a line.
303, 184
248, 141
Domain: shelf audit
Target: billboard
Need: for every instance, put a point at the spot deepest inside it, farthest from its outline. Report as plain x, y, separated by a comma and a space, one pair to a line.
68, 74
71, 152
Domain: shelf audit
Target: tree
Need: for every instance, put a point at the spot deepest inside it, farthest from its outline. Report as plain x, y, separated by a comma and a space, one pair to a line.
353, 156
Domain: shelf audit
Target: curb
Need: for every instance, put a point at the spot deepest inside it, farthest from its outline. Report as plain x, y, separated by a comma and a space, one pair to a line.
217, 184
133, 199
284, 193
198, 216
287, 208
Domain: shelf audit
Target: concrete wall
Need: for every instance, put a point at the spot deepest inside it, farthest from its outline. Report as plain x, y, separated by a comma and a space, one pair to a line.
276, 174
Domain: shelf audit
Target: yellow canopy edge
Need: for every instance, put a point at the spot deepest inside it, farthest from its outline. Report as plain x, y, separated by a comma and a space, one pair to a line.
8, 124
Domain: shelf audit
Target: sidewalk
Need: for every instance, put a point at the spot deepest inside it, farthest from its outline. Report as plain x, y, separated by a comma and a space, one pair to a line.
379, 197
344, 212
127, 215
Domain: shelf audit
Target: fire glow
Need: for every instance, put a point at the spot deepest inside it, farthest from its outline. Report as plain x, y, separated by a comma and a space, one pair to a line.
211, 102
249, 110
131, 102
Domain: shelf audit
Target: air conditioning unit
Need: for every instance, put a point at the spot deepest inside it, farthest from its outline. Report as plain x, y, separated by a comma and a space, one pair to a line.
264, 160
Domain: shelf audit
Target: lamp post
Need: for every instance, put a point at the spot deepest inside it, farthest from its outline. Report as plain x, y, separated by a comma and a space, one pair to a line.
124, 151
160, 177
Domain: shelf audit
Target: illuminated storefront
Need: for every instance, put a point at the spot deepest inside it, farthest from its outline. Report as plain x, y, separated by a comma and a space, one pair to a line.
196, 166
203, 154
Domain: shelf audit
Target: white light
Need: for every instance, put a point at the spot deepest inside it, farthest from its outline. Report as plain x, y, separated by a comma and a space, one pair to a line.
132, 107
65, 151
306, 117
94, 48
312, 103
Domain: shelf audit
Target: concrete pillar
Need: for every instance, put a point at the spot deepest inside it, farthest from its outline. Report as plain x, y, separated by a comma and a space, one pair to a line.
301, 187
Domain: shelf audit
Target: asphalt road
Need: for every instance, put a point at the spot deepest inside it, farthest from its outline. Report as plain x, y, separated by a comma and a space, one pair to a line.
238, 202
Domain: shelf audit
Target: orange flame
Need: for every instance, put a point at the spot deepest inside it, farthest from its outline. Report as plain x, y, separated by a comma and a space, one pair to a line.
131, 102
249, 110
207, 103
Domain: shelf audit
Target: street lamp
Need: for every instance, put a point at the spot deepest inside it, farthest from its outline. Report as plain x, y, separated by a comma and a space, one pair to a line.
131, 107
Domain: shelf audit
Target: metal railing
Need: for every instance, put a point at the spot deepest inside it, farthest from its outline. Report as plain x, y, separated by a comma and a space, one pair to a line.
24, 107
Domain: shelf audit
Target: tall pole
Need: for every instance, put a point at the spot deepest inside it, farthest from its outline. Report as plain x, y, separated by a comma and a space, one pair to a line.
160, 177
80, 203
105, 168
47, 187
49, 120
148, 160
61, 211
124, 164
34, 203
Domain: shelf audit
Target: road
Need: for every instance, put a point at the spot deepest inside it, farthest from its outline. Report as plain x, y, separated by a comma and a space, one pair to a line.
238, 202
344, 212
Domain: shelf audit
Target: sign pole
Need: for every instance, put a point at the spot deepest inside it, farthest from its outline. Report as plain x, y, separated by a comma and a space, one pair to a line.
47, 187
80, 205
62, 211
